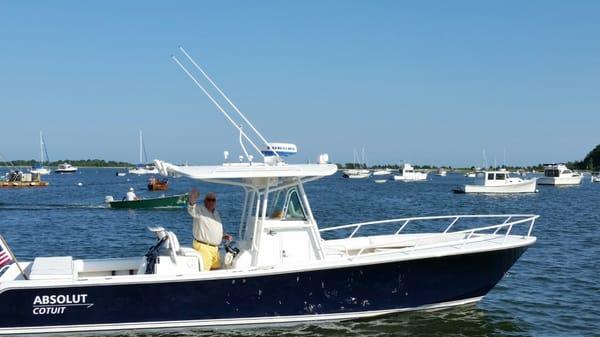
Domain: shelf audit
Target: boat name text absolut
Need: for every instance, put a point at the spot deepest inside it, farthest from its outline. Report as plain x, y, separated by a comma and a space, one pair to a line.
57, 304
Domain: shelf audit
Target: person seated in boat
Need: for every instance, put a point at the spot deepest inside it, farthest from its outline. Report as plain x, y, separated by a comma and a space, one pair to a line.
131, 195
207, 228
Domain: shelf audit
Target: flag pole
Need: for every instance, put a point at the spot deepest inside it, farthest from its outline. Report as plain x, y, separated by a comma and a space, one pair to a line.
5, 246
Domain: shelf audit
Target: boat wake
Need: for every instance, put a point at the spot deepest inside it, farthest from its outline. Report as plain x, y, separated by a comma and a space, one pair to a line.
48, 206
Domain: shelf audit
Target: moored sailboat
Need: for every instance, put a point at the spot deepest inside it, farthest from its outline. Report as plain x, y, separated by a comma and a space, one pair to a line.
143, 167
40, 169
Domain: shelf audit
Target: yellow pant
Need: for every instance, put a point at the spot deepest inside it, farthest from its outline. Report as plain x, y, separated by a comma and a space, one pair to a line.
210, 255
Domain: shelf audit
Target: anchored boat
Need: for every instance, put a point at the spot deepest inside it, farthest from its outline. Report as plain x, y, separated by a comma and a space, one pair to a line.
18, 179
143, 167
65, 168
39, 168
157, 185
284, 270
500, 182
559, 174
408, 173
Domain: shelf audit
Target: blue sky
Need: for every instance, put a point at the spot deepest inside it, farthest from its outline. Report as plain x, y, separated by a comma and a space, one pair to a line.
430, 82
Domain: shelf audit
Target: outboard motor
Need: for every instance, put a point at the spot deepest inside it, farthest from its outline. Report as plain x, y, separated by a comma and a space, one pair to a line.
108, 199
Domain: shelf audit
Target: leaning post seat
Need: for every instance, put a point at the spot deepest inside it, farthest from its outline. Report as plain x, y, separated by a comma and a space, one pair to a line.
172, 258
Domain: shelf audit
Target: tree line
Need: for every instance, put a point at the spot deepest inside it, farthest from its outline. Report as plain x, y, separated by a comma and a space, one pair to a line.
78, 163
590, 162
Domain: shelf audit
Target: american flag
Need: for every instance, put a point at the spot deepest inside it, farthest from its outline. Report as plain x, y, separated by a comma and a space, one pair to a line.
5, 257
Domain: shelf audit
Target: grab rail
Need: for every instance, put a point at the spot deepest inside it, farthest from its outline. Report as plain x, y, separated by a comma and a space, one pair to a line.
507, 221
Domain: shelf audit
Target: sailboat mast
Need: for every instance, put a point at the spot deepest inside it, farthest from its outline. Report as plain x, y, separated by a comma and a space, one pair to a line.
41, 149
141, 140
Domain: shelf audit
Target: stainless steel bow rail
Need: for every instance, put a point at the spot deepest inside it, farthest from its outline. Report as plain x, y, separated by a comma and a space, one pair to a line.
395, 230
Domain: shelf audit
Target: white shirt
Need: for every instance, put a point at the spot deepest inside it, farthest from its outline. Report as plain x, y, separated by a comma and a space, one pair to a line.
207, 227
131, 196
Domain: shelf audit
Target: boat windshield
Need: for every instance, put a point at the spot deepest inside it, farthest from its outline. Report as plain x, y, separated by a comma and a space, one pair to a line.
286, 205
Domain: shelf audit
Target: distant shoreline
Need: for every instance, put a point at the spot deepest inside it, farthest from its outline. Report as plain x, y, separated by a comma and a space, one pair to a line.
79, 167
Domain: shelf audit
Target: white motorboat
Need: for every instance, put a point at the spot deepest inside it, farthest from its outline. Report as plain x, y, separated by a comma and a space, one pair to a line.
284, 270
356, 174
380, 181
471, 175
595, 177
384, 172
559, 174
441, 172
40, 169
408, 173
65, 168
500, 182
143, 167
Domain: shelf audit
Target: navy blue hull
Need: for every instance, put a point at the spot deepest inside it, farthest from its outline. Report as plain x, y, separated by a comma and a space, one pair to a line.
383, 286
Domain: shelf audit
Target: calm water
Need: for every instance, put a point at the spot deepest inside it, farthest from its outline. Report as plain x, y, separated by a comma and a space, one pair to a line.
554, 289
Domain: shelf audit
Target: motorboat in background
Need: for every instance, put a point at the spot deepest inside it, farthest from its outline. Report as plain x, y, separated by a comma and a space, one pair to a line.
441, 172
285, 269
470, 175
408, 173
143, 167
39, 168
500, 182
384, 172
65, 168
559, 174
172, 201
595, 177
356, 174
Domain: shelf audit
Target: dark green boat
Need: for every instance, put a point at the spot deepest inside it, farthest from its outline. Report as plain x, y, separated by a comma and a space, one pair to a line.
179, 200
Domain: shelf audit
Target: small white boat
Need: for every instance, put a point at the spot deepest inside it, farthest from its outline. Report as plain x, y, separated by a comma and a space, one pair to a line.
380, 181
356, 174
500, 182
408, 173
382, 172
65, 168
143, 169
595, 177
41, 170
559, 174
441, 172
471, 175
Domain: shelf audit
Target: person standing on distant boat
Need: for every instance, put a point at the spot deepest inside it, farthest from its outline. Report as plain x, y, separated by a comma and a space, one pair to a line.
207, 228
131, 195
